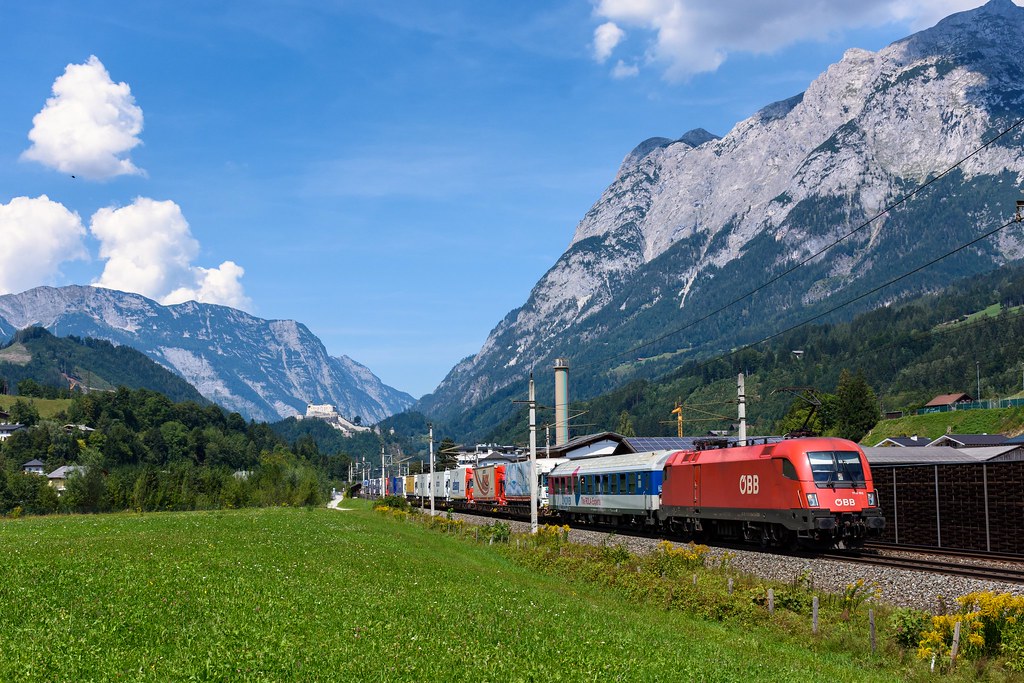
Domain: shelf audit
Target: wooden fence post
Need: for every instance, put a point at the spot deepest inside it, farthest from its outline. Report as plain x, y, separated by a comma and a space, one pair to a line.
956, 644
771, 601
694, 579
814, 614
730, 586
871, 623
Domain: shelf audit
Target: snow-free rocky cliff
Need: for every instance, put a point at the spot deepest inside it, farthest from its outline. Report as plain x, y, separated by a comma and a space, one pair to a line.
263, 369
687, 225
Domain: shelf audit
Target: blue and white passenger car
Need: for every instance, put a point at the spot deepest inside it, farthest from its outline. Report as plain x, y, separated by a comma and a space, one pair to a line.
611, 489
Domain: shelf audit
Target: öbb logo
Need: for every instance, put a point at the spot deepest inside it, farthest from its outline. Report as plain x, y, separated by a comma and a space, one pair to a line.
749, 484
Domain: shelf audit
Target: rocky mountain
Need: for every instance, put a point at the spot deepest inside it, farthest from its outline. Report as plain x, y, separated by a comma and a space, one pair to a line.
263, 369
689, 225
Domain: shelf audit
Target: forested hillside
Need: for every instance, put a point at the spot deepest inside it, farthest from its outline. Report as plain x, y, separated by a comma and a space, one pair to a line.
940, 343
60, 363
138, 450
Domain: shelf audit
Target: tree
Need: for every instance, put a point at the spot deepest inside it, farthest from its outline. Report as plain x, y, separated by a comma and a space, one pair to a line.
626, 424
24, 412
86, 488
856, 406
444, 456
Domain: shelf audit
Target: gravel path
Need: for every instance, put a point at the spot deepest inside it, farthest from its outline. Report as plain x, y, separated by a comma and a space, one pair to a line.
898, 586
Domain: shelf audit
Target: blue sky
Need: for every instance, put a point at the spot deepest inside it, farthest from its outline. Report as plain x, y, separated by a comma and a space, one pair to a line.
394, 175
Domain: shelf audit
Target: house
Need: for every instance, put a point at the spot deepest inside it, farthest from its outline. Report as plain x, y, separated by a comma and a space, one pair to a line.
914, 441
945, 402
70, 429
7, 429
969, 440
33, 467
58, 479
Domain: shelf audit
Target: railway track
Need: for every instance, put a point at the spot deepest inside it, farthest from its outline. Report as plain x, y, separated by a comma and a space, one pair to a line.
985, 572
986, 567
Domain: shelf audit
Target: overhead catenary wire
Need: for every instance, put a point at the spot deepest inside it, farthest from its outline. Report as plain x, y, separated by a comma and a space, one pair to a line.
902, 200
861, 296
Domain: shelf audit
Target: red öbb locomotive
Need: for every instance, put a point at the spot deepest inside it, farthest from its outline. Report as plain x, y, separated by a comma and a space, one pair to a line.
814, 490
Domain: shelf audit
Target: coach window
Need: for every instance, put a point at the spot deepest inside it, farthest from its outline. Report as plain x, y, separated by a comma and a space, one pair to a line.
622, 483
632, 484
608, 483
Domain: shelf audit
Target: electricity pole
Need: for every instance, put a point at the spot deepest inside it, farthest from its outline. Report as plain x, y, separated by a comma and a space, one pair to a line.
431, 487
533, 459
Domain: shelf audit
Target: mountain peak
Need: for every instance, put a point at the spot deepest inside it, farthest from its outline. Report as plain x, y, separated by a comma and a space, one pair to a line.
263, 369
685, 227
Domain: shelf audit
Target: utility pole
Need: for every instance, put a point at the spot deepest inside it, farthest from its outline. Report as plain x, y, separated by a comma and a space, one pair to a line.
533, 459
742, 409
977, 366
383, 474
431, 487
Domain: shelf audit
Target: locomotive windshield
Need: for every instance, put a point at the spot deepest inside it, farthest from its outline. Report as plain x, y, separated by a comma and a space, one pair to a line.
837, 468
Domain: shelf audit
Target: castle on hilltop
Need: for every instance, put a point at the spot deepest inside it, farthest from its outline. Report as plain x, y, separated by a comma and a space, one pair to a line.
328, 414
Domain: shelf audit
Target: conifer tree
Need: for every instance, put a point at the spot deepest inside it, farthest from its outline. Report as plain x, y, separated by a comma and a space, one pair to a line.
856, 406
626, 424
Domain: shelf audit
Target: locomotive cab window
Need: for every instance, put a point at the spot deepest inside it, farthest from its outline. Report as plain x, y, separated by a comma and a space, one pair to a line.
841, 469
788, 470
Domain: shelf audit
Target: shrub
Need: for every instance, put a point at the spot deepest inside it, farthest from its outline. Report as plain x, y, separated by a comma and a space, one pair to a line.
907, 625
794, 599
669, 560
987, 621
393, 502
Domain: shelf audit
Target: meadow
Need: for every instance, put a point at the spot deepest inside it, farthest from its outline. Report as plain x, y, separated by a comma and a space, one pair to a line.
287, 594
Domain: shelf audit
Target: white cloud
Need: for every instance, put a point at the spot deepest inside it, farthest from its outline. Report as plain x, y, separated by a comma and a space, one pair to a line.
89, 125
606, 37
38, 235
149, 249
623, 70
216, 286
694, 36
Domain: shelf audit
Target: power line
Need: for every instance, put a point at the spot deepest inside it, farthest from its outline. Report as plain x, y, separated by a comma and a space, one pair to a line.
863, 295
818, 253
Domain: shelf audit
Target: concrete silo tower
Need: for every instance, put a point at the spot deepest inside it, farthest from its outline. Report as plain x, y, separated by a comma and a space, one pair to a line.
561, 401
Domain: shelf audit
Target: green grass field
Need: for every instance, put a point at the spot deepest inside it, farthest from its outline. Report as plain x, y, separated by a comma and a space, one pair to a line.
311, 595
47, 407
933, 425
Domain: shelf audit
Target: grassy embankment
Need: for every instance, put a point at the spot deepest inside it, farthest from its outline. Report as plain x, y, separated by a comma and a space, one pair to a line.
47, 407
286, 594
1009, 421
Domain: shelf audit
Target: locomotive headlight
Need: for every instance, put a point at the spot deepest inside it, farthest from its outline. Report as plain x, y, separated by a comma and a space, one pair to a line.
812, 500
871, 498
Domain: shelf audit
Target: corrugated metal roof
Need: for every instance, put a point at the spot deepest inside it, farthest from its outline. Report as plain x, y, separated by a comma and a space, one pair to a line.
971, 440
924, 455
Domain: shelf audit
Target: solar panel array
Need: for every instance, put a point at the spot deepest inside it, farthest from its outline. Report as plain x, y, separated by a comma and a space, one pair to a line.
684, 443
660, 443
